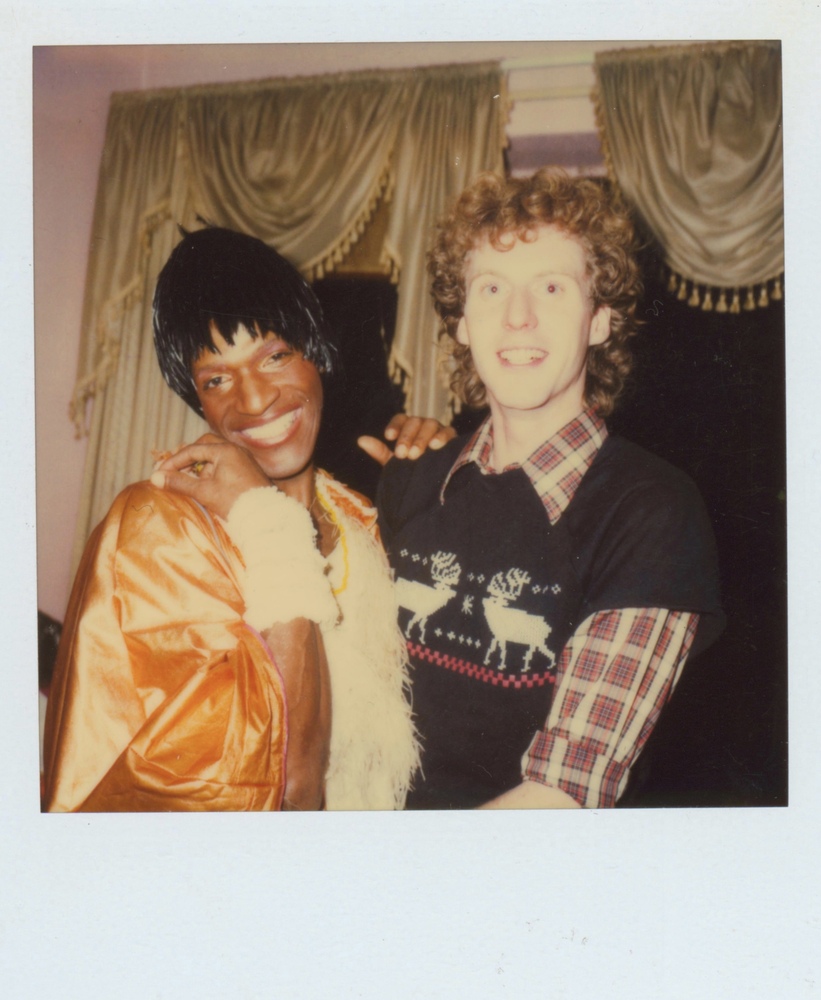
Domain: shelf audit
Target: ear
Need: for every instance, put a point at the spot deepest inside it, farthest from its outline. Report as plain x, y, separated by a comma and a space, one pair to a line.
462, 333
600, 326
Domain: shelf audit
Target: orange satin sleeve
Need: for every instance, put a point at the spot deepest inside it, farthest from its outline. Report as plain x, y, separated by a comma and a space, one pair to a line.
163, 697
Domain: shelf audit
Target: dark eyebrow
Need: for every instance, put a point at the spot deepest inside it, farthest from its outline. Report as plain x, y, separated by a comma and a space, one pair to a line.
210, 368
273, 340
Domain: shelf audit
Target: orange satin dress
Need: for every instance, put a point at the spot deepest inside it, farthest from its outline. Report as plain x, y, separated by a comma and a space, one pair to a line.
163, 698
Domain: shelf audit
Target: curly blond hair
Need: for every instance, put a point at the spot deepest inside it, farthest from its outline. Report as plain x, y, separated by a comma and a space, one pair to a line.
494, 207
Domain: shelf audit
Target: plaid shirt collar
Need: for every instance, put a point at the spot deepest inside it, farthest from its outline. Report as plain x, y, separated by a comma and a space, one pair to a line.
555, 468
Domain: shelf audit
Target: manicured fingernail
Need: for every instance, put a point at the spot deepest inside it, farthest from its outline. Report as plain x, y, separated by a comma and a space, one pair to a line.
415, 452
436, 443
158, 479
401, 451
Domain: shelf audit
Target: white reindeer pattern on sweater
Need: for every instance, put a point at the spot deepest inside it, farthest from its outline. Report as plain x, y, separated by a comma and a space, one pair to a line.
507, 625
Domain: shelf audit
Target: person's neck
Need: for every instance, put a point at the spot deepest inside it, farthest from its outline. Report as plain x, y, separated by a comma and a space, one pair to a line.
300, 487
518, 433
303, 489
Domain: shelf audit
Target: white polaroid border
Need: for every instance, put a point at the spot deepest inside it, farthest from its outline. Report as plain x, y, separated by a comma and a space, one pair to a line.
636, 904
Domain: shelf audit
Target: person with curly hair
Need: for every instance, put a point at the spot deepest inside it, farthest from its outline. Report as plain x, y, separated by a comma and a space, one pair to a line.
552, 577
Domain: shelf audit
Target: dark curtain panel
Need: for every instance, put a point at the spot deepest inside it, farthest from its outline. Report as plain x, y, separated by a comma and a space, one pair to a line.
708, 394
362, 315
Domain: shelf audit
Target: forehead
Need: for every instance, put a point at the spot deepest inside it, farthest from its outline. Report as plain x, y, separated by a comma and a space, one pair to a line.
546, 250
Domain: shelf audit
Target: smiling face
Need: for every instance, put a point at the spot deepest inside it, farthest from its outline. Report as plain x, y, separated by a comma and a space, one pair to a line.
529, 323
263, 395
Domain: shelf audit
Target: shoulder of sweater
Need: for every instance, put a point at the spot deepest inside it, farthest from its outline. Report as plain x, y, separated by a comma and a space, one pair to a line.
639, 467
432, 465
631, 484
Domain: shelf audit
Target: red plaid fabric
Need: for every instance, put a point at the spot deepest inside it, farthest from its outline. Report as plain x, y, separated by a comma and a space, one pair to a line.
614, 677
555, 469
618, 669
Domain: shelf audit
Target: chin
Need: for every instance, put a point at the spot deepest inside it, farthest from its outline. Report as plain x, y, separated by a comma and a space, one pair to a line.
522, 401
284, 472
284, 466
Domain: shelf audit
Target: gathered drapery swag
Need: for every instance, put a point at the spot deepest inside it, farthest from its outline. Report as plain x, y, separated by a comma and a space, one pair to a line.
692, 138
303, 164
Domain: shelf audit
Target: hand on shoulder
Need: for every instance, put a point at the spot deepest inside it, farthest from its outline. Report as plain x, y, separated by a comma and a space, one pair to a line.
413, 437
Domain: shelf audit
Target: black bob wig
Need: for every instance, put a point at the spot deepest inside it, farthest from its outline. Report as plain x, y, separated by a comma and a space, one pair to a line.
223, 279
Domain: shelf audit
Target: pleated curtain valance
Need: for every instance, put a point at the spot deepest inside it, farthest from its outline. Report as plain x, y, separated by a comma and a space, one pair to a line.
692, 137
301, 163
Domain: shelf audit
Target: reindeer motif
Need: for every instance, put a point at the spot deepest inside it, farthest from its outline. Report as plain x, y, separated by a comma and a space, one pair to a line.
514, 624
423, 600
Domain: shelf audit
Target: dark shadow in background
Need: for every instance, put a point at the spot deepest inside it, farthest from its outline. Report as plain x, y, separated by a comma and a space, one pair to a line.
708, 394
362, 315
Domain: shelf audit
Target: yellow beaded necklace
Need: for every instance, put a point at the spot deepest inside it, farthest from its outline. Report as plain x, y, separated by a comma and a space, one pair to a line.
343, 541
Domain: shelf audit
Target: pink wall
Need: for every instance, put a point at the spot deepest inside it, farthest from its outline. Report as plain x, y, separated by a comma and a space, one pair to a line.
71, 93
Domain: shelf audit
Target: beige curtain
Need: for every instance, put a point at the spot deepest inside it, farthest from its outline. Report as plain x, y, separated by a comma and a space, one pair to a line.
303, 164
693, 139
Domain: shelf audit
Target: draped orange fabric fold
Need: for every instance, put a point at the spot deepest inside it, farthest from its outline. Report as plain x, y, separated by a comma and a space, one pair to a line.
163, 697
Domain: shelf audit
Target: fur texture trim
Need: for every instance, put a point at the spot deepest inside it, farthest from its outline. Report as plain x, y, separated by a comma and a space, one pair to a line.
374, 750
285, 574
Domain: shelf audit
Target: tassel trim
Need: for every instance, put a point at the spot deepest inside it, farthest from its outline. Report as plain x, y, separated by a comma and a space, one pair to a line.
701, 295
109, 321
326, 263
710, 298
597, 98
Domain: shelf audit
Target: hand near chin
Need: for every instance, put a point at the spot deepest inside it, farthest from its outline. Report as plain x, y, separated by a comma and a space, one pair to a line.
212, 471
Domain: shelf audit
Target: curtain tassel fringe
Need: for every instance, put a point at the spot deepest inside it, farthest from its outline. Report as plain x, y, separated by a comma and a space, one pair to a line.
722, 300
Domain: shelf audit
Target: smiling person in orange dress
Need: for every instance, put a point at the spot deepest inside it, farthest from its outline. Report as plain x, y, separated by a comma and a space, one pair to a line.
238, 651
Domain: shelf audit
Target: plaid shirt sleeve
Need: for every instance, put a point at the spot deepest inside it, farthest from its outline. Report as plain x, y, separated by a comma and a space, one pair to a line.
615, 675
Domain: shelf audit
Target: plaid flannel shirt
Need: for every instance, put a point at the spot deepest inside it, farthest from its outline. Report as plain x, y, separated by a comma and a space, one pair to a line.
619, 667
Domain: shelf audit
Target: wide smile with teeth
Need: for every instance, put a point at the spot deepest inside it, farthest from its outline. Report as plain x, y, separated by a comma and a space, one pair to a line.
520, 356
274, 431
